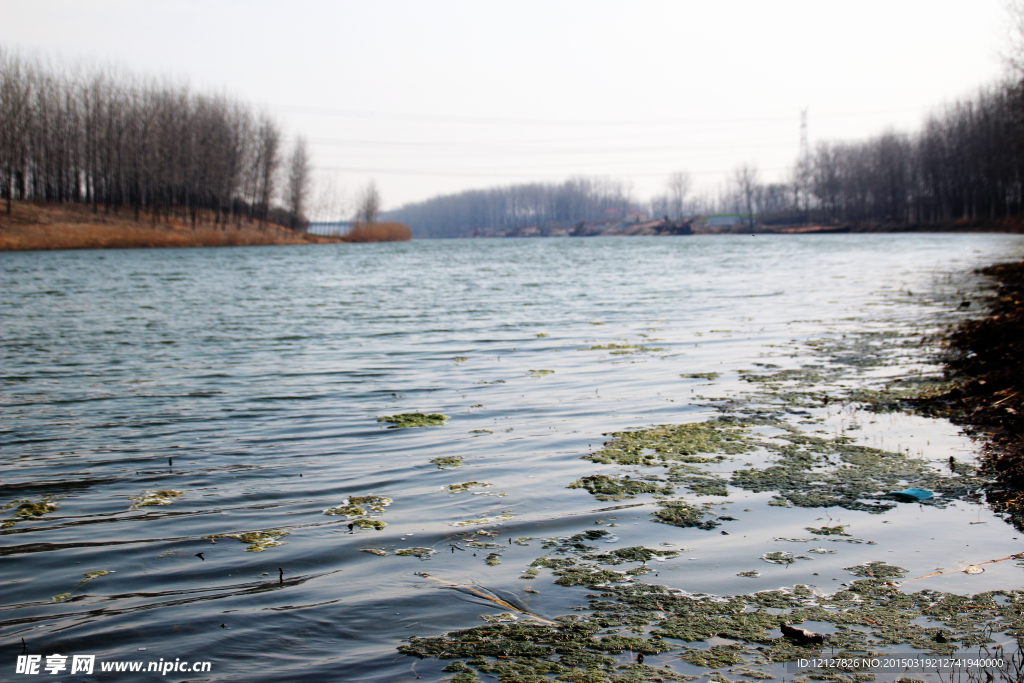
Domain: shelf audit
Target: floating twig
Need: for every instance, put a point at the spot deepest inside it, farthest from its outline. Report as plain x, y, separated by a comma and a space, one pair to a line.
1017, 556
487, 595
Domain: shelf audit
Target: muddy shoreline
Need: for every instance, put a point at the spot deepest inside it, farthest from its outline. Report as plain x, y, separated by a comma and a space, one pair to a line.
986, 368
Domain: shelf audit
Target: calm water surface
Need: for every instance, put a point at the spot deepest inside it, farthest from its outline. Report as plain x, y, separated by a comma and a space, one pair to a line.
262, 372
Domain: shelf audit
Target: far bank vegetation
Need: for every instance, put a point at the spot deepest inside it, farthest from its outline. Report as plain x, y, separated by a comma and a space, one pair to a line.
119, 142
964, 168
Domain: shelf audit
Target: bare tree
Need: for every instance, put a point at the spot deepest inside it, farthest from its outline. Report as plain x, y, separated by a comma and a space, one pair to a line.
297, 184
368, 205
329, 203
679, 184
745, 178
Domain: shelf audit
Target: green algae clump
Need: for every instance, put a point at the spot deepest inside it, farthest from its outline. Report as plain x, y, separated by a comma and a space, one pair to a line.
666, 443
682, 514
465, 486
633, 554
482, 520
606, 487
375, 524
352, 507
162, 497
828, 530
375, 551
780, 557
541, 373
447, 462
63, 597
711, 376
26, 509
413, 420
257, 541
421, 553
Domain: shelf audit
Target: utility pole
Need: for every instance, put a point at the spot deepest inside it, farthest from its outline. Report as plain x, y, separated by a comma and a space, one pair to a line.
803, 166
804, 151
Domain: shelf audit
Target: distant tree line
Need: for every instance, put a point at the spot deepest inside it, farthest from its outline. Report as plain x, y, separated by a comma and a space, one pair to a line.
102, 137
517, 206
967, 162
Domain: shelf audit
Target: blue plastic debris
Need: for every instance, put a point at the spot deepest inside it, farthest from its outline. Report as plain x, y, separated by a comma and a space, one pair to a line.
912, 495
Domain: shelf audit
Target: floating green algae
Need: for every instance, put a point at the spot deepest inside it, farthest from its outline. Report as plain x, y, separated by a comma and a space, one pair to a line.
353, 506
465, 486
715, 657
870, 614
503, 618
26, 509
780, 557
750, 574
375, 524
606, 487
89, 576
828, 530
257, 541
459, 360
413, 420
811, 471
877, 570
682, 514
666, 443
447, 462
374, 551
421, 553
493, 559
711, 376
541, 373
483, 520
161, 497
632, 554
359, 508
542, 334
708, 485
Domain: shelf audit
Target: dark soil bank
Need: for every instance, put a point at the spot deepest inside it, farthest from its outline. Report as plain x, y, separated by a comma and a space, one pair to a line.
987, 367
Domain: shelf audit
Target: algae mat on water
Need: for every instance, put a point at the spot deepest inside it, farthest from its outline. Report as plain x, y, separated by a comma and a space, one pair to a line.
741, 635
627, 618
413, 420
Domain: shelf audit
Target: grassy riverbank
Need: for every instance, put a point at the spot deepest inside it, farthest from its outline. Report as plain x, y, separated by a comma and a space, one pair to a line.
37, 225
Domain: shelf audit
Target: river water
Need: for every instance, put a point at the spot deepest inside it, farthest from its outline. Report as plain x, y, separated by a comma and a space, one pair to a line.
248, 383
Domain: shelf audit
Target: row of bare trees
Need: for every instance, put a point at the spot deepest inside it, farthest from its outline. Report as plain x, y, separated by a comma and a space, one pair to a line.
967, 162
518, 206
107, 138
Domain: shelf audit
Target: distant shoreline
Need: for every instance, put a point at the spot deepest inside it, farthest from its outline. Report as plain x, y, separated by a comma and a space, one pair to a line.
41, 226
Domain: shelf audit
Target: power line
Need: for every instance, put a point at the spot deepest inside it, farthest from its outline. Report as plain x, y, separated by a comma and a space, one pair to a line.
484, 120
488, 174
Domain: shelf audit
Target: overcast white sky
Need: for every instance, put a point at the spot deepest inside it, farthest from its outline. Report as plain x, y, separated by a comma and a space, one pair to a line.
430, 97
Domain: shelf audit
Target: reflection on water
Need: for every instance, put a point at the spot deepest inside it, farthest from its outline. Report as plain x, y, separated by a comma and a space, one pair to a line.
249, 382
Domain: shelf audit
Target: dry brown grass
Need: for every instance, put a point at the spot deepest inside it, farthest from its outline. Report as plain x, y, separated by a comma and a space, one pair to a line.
38, 225
379, 232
